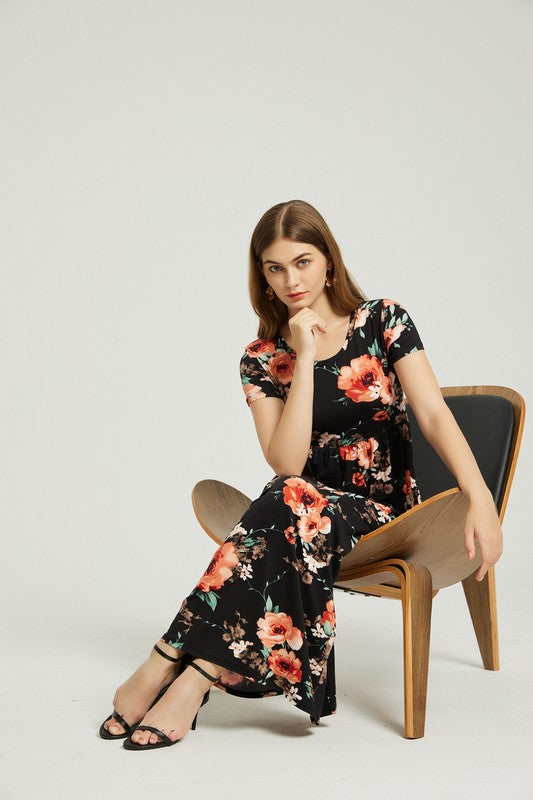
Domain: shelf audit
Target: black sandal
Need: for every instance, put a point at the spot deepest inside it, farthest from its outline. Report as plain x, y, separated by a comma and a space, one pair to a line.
128, 729
167, 741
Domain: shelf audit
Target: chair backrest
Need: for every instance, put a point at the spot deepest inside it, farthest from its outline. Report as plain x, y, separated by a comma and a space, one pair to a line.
491, 419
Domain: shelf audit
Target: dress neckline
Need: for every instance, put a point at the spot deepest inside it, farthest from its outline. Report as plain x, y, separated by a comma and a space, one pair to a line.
336, 355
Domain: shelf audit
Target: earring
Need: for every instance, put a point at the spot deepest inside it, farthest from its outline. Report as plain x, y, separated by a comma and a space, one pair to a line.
269, 291
329, 283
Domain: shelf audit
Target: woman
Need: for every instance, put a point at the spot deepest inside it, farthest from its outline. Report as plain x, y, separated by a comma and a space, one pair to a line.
325, 381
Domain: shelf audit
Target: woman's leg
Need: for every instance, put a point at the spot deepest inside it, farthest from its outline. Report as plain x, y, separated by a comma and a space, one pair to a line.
174, 712
263, 610
134, 696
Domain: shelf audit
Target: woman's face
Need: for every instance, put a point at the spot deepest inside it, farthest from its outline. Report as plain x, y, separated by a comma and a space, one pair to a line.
296, 272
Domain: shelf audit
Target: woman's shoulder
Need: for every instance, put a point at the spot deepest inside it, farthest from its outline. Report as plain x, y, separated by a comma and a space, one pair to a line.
260, 349
380, 305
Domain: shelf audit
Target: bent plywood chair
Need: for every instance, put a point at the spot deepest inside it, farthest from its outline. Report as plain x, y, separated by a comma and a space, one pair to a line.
422, 550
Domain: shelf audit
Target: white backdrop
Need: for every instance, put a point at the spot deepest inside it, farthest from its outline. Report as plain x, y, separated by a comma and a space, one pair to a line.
140, 143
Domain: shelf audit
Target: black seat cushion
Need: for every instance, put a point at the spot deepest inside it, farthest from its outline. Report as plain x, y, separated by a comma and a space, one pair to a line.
487, 423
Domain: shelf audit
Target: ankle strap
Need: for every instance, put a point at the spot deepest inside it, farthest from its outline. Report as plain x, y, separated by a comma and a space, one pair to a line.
204, 673
166, 655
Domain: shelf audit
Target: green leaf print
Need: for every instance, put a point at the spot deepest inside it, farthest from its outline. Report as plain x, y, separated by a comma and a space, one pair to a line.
374, 349
327, 628
268, 604
211, 598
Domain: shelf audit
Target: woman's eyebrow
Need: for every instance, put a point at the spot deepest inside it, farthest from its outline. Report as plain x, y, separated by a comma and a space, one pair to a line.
269, 261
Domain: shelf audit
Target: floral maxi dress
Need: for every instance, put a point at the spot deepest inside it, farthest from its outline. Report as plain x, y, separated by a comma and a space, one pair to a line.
264, 609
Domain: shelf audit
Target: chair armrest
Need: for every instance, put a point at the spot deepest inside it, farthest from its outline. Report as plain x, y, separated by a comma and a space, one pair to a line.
430, 534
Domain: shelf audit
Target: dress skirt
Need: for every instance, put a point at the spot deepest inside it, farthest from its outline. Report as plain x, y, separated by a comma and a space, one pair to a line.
263, 610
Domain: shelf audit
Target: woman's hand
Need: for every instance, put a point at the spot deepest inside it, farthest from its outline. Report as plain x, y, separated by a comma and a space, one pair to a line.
304, 337
482, 524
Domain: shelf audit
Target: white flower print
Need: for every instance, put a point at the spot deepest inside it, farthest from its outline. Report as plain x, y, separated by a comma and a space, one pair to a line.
291, 693
312, 564
385, 474
245, 571
319, 632
314, 666
239, 647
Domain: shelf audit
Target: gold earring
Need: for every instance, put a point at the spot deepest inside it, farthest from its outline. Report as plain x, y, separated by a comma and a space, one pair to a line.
269, 291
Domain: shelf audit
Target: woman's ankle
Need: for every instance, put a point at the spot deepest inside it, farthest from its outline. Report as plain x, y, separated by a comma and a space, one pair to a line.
173, 652
212, 669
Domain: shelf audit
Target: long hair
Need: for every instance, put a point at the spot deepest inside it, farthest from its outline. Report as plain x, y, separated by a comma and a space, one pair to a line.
297, 221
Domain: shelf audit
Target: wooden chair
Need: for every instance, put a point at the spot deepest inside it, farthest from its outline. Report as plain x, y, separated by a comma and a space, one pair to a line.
422, 550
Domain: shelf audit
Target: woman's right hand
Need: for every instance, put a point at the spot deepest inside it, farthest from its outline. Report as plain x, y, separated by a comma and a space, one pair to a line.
302, 326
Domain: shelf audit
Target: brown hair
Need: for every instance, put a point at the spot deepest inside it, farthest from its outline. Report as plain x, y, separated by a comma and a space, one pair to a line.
297, 221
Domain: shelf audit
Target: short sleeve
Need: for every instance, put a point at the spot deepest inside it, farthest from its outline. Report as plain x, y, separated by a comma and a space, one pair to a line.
400, 335
256, 378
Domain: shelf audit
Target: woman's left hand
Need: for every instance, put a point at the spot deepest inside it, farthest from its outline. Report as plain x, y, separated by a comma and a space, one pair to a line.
482, 524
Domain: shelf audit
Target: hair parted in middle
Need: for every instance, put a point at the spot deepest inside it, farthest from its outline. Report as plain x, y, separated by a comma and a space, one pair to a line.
296, 221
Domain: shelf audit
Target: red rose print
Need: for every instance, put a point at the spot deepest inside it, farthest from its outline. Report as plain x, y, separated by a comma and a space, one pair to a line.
220, 568
348, 452
252, 392
281, 366
362, 452
285, 664
302, 496
231, 678
365, 452
329, 614
391, 334
361, 317
385, 509
359, 479
276, 629
408, 485
260, 347
289, 534
365, 381
310, 524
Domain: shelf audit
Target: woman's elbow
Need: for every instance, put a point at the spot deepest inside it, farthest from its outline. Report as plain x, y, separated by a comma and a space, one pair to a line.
285, 466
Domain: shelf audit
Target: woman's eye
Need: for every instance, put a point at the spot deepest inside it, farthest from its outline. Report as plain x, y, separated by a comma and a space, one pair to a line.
274, 269
303, 259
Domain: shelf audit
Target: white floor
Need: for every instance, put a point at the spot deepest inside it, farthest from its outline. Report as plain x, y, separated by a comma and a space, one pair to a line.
477, 741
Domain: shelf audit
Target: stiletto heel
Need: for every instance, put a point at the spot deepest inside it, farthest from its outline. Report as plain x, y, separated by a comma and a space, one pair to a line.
166, 740
128, 729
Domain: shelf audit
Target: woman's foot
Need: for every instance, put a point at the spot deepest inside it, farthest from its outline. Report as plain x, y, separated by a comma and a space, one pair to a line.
134, 696
174, 712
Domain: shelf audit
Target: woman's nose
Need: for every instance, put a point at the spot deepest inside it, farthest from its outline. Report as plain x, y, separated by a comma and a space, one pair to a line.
292, 278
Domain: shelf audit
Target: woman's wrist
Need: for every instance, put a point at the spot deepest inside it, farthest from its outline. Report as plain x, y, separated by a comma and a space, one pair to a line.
479, 494
305, 361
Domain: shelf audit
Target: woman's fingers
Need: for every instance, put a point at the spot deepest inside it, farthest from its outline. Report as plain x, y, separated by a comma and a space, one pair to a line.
302, 327
470, 545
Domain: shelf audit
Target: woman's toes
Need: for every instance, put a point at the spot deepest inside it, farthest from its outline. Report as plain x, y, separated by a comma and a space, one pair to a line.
115, 727
154, 738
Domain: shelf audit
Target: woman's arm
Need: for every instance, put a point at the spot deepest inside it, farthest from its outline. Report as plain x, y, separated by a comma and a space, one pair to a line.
439, 427
284, 429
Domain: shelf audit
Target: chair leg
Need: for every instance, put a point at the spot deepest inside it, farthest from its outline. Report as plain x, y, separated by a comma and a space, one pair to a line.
481, 599
417, 603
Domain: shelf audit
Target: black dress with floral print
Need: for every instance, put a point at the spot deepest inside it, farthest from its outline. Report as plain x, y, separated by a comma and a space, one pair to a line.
264, 608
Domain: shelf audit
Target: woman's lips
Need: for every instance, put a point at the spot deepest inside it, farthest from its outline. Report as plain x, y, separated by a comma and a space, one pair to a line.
297, 295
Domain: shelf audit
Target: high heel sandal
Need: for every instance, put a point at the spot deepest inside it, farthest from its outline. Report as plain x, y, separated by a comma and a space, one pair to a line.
128, 729
167, 741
